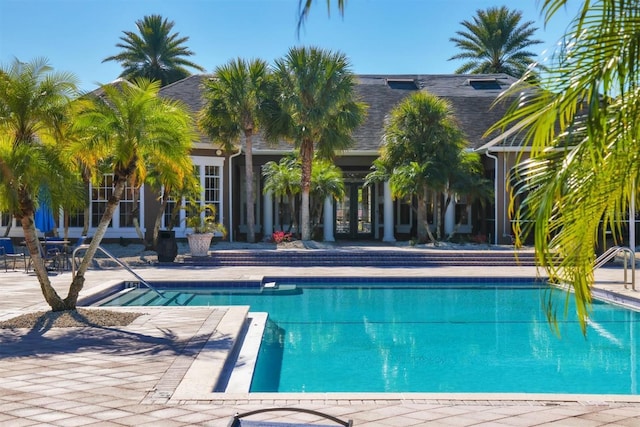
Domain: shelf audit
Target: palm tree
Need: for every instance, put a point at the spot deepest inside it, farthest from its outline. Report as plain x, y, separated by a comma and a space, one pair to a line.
282, 179
233, 100
326, 181
583, 168
34, 104
421, 151
128, 127
304, 8
467, 179
495, 41
316, 110
154, 53
173, 178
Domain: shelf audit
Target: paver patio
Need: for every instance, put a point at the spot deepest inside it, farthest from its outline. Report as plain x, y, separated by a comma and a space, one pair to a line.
126, 376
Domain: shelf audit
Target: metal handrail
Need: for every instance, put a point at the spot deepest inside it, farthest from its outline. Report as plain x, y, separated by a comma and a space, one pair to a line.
118, 261
629, 255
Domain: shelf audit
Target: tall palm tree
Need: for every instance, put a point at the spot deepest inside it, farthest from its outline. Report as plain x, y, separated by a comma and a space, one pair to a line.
128, 127
421, 151
154, 53
583, 170
495, 41
233, 101
316, 110
34, 103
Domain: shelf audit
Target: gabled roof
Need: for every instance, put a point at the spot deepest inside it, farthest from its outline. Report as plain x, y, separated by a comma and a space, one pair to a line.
471, 96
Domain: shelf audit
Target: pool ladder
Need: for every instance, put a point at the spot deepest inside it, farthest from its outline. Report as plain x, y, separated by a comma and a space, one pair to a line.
629, 256
115, 259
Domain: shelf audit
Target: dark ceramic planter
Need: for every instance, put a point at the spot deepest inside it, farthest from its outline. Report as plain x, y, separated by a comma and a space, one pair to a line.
167, 248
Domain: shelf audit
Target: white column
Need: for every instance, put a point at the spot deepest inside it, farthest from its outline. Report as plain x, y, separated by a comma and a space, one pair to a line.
450, 217
328, 220
267, 215
388, 214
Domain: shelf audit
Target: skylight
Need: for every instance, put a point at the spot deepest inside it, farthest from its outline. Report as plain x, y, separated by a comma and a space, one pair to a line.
484, 84
402, 84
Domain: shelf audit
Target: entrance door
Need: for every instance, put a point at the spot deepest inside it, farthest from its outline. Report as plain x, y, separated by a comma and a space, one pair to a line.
354, 213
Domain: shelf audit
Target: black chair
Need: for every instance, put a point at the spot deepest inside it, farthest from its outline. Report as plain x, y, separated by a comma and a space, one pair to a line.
8, 252
55, 254
239, 421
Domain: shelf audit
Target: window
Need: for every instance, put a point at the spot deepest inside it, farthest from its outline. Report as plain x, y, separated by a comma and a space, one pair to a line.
462, 214
128, 207
208, 170
123, 216
404, 216
99, 197
210, 181
76, 218
171, 214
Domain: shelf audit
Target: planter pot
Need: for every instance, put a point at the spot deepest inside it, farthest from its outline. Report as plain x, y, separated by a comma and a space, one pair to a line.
167, 248
199, 243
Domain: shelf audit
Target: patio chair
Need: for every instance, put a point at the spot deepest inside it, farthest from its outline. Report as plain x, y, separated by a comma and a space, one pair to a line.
7, 251
50, 253
55, 254
239, 421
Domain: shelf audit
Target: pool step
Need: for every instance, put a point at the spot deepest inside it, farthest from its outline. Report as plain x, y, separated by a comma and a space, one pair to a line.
377, 258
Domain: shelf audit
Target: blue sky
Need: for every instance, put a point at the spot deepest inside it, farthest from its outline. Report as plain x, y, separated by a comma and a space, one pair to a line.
379, 36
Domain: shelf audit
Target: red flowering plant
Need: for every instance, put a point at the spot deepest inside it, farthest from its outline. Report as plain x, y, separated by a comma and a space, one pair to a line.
281, 236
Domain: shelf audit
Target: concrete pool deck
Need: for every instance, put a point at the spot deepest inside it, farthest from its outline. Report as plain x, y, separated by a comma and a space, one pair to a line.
133, 376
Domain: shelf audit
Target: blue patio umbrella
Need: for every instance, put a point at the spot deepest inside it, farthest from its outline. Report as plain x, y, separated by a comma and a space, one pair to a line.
43, 217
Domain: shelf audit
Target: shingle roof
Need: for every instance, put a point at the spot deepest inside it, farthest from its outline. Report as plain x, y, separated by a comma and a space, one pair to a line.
471, 96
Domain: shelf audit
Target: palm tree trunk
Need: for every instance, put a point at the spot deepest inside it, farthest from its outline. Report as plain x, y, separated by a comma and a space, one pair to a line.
78, 281
33, 245
306, 156
248, 172
87, 220
8, 229
65, 222
86, 178
421, 200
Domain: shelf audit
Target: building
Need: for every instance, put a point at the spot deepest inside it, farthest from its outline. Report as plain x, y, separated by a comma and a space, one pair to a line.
366, 212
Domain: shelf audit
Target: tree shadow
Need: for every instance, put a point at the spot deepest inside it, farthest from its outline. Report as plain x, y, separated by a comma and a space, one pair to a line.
45, 340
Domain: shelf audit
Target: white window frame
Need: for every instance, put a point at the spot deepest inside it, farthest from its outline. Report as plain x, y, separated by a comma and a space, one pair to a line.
114, 229
200, 162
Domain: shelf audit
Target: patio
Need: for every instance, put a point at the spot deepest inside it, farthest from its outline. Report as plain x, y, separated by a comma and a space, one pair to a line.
128, 376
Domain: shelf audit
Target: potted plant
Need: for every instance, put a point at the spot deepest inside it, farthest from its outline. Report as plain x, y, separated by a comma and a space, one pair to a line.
202, 220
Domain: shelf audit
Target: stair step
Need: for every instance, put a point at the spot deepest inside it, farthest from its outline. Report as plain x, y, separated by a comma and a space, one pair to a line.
371, 258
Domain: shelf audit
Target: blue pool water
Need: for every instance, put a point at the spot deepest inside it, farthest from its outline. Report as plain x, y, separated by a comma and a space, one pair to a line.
430, 337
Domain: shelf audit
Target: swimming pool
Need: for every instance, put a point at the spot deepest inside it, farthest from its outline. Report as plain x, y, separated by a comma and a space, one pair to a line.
392, 335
